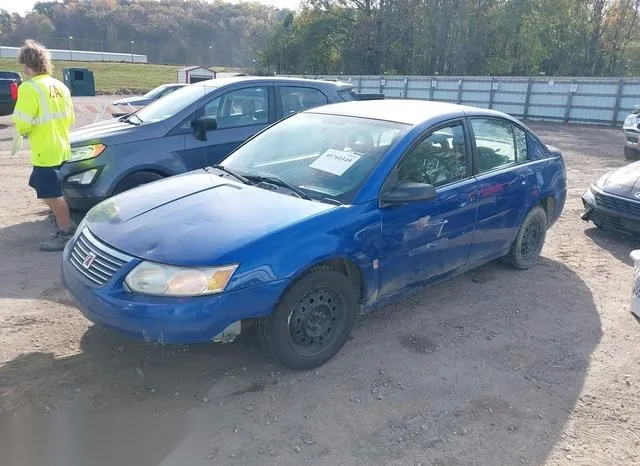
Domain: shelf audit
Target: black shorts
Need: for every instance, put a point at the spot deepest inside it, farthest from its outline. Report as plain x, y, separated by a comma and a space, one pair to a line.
46, 181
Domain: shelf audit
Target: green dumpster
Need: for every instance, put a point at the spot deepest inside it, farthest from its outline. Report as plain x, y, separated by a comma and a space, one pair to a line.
79, 81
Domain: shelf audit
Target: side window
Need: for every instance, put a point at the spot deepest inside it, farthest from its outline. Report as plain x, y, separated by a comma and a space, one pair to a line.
522, 154
535, 149
440, 159
242, 107
296, 99
495, 145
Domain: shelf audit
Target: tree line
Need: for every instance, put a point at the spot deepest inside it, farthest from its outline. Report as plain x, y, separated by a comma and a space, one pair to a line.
415, 37
167, 31
459, 37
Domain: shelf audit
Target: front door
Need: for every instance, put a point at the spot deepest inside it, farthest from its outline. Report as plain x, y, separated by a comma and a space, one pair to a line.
240, 114
504, 182
426, 239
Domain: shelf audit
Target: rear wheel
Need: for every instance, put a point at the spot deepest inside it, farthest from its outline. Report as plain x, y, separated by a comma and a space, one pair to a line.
136, 179
312, 321
529, 241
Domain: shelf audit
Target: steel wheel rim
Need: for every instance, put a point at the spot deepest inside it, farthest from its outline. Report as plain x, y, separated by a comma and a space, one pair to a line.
317, 320
531, 240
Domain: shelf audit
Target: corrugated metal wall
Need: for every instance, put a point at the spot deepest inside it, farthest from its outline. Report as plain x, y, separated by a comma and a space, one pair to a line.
570, 100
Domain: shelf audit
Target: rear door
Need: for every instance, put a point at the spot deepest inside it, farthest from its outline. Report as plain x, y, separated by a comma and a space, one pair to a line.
240, 113
504, 182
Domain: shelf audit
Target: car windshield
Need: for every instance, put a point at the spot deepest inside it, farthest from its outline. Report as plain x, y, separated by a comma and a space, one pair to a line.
172, 103
325, 156
156, 91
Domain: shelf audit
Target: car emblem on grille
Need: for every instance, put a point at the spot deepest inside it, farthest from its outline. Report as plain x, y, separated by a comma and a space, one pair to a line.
637, 195
86, 263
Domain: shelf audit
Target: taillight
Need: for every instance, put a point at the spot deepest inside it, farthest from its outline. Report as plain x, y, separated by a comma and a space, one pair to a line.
14, 90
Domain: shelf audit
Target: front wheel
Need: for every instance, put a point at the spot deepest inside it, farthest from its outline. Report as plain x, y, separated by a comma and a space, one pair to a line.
312, 321
529, 241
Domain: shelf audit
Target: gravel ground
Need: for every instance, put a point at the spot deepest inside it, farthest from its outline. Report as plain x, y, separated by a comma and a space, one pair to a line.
497, 367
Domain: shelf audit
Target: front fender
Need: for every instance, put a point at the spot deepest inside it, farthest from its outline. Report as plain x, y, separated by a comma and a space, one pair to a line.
350, 233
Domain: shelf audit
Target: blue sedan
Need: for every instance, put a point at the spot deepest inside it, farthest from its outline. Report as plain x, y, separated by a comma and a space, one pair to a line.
315, 220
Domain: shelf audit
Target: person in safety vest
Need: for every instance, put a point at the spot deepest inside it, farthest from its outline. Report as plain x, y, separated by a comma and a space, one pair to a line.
44, 113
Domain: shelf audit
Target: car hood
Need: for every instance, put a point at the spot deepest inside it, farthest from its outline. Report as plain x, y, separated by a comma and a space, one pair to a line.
111, 131
624, 181
194, 219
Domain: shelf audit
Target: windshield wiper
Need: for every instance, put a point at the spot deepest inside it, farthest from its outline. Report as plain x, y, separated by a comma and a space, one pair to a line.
130, 121
331, 201
232, 173
279, 182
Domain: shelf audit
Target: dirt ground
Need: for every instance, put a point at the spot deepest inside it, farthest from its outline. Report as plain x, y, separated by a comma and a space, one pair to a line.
496, 367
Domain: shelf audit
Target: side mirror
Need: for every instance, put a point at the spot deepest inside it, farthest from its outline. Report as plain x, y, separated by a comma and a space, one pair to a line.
409, 192
202, 125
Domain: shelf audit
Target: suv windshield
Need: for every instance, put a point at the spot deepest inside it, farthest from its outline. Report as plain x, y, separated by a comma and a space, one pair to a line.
326, 156
172, 103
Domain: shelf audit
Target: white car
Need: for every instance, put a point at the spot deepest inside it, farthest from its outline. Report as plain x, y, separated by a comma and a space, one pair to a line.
631, 130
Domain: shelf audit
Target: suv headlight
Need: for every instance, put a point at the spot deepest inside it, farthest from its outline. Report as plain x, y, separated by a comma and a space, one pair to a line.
168, 280
86, 152
631, 121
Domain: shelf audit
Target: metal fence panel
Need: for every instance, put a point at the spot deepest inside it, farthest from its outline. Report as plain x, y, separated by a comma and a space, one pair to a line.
422, 94
570, 100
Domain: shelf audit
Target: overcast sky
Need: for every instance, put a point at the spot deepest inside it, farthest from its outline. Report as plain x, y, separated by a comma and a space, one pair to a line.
22, 6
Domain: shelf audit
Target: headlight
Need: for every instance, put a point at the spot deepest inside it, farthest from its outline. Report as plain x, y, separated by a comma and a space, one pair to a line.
167, 280
85, 177
86, 152
631, 121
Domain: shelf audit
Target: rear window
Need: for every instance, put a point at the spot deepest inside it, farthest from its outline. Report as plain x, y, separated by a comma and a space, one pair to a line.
347, 95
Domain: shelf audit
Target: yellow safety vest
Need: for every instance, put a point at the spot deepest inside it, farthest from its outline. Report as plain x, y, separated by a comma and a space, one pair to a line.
44, 113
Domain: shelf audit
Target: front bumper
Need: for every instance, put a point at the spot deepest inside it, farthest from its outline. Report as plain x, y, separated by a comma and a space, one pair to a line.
632, 144
80, 199
611, 212
165, 320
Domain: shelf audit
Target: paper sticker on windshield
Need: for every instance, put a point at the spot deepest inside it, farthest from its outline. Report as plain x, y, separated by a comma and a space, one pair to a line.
335, 161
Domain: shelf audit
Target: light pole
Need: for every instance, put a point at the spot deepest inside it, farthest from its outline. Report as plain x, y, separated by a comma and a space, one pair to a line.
70, 48
210, 56
133, 43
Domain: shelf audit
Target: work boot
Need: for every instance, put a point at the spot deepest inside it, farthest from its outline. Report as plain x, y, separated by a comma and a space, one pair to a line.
59, 240
52, 219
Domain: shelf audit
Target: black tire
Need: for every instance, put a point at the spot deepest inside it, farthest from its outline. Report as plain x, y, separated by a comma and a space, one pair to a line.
631, 154
529, 241
136, 179
312, 320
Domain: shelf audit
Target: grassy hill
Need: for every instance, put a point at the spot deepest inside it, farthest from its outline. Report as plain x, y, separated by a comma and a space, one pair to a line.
113, 78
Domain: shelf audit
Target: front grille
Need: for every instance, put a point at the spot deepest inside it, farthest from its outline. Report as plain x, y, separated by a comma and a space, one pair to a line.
618, 204
620, 224
94, 260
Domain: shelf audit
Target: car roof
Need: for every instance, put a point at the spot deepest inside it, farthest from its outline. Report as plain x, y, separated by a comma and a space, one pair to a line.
219, 82
407, 111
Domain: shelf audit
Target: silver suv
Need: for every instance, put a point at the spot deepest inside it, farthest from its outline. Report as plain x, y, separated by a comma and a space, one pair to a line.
631, 129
